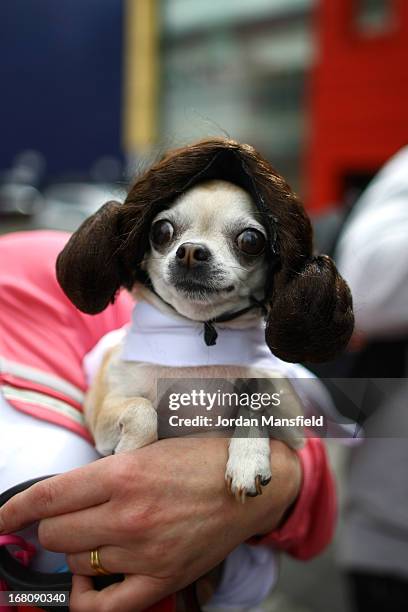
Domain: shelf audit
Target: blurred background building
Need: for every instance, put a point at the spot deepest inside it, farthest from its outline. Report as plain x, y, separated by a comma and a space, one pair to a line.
239, 68
91, 90
358, 96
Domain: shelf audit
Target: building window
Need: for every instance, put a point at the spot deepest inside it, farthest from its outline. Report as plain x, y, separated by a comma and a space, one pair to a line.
374, 16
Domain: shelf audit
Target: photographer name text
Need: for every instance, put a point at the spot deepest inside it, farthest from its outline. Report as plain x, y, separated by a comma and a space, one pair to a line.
241, 421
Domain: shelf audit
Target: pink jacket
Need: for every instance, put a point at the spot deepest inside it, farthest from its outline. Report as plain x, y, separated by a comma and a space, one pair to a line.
43, 336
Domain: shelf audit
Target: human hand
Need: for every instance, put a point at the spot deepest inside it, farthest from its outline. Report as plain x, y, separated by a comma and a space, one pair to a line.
159, 515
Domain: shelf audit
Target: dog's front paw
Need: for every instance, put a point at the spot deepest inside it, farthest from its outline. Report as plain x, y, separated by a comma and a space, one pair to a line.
248, 467
137, 426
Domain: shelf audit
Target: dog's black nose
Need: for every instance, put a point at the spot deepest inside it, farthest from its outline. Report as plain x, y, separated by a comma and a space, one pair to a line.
191, 254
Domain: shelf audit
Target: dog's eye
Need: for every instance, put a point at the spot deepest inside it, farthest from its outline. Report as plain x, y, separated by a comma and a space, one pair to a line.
251, 242
162, 232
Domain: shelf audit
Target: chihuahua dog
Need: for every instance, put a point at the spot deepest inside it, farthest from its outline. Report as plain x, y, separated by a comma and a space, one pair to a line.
217, 251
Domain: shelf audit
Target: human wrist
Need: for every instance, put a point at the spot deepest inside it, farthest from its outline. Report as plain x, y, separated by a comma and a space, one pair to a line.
259, 515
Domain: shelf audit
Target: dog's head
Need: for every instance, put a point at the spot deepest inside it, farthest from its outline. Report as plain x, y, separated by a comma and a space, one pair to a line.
210, 227
207, 251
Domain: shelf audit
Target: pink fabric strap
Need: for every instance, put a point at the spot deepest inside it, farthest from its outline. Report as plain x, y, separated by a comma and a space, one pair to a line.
27, 550
24, 555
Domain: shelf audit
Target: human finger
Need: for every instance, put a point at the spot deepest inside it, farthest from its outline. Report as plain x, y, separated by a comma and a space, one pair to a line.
80, 488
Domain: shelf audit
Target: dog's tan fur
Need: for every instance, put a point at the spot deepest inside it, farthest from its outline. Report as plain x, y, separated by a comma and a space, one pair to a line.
118, 385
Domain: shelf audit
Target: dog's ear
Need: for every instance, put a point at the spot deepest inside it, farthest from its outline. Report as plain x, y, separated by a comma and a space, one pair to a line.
311, 315
88, 267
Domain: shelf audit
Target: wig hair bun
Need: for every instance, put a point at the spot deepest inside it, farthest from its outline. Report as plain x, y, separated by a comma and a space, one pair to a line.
311, 318
88, 270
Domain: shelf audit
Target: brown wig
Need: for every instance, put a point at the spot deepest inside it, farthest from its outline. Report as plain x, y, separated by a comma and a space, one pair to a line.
309, 305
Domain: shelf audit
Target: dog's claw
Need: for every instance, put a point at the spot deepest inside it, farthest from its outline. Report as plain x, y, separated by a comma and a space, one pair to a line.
240, 494
229, 484
258, 485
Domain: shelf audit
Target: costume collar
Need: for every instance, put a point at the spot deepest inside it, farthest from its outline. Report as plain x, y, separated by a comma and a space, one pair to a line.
170, 340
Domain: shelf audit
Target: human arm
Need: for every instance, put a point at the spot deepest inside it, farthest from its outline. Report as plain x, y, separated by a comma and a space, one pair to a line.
164, 531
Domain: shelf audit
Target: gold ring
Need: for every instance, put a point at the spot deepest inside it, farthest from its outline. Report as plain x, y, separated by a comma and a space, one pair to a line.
96, 563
